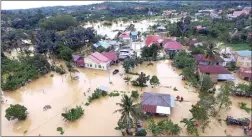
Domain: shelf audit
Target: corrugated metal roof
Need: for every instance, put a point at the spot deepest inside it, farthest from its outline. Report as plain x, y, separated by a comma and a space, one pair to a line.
157, 99
213, 69
244, 53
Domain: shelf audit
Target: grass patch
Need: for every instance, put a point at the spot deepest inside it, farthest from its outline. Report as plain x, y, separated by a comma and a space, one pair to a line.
240, 46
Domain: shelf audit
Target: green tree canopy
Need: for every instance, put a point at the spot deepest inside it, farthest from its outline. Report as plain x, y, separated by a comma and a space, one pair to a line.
16, 112
59, 22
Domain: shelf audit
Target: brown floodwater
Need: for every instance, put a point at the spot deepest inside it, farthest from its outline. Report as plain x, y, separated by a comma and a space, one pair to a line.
98, 119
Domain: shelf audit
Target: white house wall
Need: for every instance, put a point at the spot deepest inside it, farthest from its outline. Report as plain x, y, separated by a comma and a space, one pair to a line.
91, 64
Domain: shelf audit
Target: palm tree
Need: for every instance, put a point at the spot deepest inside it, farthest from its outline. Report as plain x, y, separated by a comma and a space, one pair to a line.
130, 112
211, 50
190, 127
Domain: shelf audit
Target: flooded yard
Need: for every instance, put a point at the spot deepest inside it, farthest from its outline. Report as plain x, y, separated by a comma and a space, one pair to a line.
98, 119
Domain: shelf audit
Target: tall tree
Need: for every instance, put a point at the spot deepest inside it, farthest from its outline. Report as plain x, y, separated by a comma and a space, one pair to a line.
222, 99
211, 50
130, 112
154, 80
190, 127
141, 80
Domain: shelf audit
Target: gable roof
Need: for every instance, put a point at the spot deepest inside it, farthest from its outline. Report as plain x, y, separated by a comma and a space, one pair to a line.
157, 99
244, 53
110, 55
239, 13
213, 69
124, 35
173, 45
98, 58
76, 57
153, 39
201, 57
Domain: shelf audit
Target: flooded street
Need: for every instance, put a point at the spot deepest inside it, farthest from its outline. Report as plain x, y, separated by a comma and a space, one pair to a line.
98, 119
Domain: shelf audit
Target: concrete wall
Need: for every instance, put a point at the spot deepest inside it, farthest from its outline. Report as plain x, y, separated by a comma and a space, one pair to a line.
243, 62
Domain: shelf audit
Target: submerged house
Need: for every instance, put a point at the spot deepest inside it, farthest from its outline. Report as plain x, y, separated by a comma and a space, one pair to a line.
78, 60
245, 74
243, 58
172, 46
153, 39
202, 60
125, 37
97, 61
215, 72
157, 103
111, 56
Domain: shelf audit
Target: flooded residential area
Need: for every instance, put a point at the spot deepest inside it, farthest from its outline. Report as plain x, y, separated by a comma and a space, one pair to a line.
137, 50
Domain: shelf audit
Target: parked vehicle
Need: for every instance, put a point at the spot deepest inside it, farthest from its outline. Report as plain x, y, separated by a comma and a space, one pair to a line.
232, 121
115, 71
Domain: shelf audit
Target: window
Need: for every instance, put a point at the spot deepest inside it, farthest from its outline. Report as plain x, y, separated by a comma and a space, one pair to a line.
90, 65
95, 66
99, 66
208, 73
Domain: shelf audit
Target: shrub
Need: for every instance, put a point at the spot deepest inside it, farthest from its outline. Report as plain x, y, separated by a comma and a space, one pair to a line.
60, 129
16, 112
60, 70
135, 94
114, 94
142, 132
73, 114
97, 94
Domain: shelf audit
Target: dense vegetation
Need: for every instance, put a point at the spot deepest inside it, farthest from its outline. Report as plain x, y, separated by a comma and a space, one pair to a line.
17, 73
59, 22
16, 112
73, 114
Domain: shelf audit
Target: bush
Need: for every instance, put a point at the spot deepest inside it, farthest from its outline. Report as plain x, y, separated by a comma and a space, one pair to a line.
60, 129
135, 94
16, 112
114, 94
73, 114
231, 66
142, 132
64, 52
97, 94
60, 70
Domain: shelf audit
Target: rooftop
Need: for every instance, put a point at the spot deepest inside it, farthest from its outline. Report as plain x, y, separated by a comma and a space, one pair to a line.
173, 45
110, 55
153, 39
98, 58
213, 69
201, 57
244, 53
157, 99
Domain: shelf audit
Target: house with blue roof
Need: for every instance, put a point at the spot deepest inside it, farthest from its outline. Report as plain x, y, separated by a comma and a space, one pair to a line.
103, 44
243, 58
133, 35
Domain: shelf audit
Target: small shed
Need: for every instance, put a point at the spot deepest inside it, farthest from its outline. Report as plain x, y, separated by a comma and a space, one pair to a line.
78, 60
157, 103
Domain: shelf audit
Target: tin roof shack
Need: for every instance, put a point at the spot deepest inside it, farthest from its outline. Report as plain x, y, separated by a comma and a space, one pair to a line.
78, 60
215, 72
97, 61
156, 103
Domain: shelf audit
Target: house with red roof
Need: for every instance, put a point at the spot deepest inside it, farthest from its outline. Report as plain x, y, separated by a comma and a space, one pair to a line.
97, 60
245, 73
203, 60
78, 60
215, 72
112, 56
125, 37
153, 39
172, 46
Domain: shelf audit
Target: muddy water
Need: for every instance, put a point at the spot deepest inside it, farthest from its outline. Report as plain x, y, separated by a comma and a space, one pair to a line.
141, 26
60, 92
